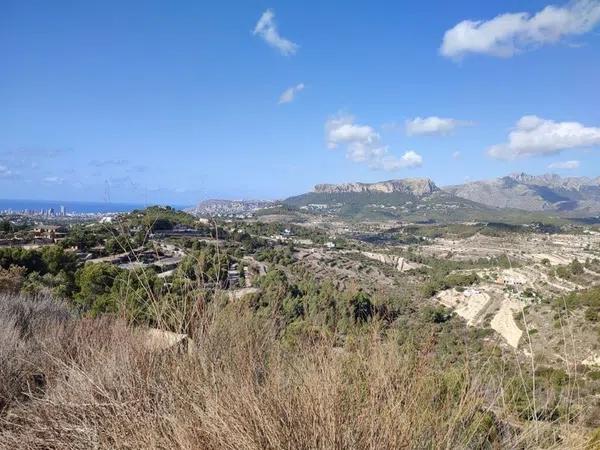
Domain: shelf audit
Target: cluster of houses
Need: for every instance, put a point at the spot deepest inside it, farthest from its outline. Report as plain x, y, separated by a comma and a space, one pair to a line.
50, 234
41, 234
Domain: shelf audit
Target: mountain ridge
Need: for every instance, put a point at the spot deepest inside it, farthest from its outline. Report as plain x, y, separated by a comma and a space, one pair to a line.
547, 192
415, 197
415, 186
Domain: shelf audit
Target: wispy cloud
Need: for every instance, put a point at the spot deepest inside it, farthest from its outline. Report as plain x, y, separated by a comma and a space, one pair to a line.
565, 165
266, 28
137, 168
508, 34
29, 158
363, 144
124, 182
109, 162
290, 93
534, 136
6, 173
53, 180
456, 155
433, 125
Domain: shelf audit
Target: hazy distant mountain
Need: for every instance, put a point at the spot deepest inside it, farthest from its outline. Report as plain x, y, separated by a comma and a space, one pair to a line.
215, 207
580, 195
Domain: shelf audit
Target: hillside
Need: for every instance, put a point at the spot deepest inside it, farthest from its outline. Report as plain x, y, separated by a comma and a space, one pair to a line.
571, 195
150, 335
417, 199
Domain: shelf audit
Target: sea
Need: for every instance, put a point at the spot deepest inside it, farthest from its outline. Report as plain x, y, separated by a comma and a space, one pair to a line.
71, 207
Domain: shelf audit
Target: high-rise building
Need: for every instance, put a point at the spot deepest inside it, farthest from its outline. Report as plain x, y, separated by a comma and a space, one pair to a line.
63, 210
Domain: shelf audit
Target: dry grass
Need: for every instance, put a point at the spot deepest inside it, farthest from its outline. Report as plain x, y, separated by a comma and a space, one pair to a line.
98, 387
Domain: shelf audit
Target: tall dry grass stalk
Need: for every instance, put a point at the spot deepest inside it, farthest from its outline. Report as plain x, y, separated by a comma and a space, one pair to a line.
99, 386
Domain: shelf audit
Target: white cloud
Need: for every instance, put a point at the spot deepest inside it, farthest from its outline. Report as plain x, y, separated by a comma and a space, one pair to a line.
267, 29
456, 155
507, 34
566, 165
534, 136
411, 159
432, 125
343, 130
290, 93
363, 144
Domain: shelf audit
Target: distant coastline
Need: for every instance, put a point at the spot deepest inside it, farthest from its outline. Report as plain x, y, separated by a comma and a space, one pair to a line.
77, 207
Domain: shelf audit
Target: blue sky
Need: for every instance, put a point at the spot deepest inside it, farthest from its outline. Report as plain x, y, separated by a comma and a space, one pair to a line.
154, 101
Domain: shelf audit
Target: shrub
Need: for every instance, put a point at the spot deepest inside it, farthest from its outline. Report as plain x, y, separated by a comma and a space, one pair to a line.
11, 279
436, 314
361, 307
591, 314
27, 326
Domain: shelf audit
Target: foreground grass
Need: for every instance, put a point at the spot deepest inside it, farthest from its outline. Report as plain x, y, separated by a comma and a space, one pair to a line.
77, 383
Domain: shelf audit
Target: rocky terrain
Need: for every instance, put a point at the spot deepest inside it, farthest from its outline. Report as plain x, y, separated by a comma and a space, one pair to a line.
534, 193
411, 199
414, 186
503, 199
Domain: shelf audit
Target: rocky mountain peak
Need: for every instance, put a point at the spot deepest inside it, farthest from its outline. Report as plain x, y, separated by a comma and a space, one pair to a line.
553, 181
535, 192
416, 186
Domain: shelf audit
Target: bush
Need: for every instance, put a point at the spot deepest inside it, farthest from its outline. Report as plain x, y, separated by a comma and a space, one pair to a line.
94, 283
25, 325
436, 314
591, 314
361, 307
439, 282
11, 279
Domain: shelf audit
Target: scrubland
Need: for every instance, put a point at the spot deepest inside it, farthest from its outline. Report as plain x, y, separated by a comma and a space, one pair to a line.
312, 347
73, 382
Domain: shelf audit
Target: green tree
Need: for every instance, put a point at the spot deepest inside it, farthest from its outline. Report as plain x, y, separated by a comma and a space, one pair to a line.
576, 267
94, 283
55, 260
6, 226
361, 307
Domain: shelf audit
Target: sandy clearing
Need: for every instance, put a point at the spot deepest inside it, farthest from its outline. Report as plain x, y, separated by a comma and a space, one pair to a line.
400, 263
473, 304
515, 276
504, 323
468, 304
554, 260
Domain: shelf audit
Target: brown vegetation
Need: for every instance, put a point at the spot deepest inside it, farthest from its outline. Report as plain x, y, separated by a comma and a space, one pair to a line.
91, 383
